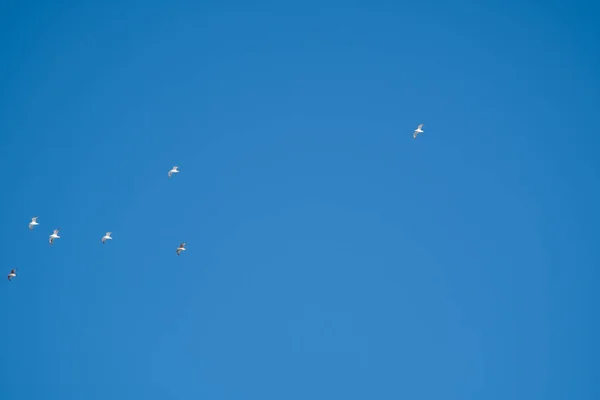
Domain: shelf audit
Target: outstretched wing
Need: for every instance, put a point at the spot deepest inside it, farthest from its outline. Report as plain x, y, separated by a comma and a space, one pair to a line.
420, 126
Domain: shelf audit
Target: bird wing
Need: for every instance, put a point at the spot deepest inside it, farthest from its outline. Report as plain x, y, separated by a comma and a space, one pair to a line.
108, 233
170, 173
56, 231
34, 219
182, 245
420, 126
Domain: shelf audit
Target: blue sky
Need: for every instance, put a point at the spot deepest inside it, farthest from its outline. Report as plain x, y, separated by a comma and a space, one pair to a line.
330, 255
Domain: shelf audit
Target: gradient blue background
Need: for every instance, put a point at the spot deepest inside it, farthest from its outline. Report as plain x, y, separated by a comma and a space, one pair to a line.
330, 255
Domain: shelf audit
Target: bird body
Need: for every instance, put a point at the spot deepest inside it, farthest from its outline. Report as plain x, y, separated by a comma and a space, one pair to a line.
417, 131
33, 223
12, 274
106, 237
173, 170
54, 236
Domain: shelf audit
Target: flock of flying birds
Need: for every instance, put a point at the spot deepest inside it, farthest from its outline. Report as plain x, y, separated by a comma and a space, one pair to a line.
34, 222
106, 237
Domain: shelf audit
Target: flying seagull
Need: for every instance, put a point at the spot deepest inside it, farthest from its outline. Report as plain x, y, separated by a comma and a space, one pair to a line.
54, 236
181, 248
106, 237
417, 131
33, 223
13, 273
174, 170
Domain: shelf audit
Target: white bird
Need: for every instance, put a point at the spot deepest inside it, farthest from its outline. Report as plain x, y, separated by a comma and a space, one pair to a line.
417, 131
181, 248
12, 274
106, 237
33, 223
173, 170
54, 236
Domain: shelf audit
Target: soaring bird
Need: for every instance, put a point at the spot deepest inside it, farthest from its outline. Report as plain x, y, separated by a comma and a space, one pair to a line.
173, 170
181, 248
106, 237
33, 223
417, 131
54, 236
13, 273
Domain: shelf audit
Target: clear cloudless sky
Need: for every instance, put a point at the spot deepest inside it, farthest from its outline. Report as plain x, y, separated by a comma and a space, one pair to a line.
330, 255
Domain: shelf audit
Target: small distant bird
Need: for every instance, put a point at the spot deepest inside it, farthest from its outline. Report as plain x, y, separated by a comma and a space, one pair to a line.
33, 223
106, 237
174, 170
13, 273
181, 248
54, 236
417, 131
